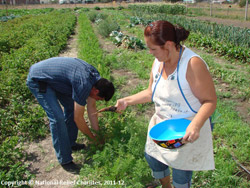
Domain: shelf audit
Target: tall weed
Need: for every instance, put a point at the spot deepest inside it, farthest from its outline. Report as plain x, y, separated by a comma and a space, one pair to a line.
105, 27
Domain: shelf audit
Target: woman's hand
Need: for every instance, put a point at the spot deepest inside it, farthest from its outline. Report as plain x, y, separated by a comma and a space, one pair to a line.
121, 104
192, 134
139, 98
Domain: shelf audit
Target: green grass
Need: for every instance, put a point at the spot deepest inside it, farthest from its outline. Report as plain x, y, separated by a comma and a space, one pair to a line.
237, 78
139, 62
236, 129
231, 139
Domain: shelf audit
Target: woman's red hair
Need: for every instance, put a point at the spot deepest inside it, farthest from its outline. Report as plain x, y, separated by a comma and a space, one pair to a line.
162, 31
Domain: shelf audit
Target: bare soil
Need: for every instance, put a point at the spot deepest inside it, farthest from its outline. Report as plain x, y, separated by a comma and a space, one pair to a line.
42, 162
229, 22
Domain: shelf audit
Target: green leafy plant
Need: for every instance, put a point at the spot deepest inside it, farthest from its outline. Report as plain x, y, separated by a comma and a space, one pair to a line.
96, 17
12, 169
126, 41
242, 3
105, 27
162, 8
120, 8
97, 8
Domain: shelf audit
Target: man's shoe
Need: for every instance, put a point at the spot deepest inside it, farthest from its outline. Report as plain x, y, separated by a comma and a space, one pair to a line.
71, 168
78, 147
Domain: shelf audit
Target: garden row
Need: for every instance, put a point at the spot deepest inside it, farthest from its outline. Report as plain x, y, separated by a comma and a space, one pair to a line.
174, 9
10, 14
20, 118
23, 30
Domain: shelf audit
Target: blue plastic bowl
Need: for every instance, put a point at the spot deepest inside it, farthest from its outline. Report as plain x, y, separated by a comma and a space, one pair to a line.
168, 134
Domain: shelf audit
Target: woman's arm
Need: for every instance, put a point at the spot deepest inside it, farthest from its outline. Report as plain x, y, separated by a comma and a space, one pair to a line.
202, 86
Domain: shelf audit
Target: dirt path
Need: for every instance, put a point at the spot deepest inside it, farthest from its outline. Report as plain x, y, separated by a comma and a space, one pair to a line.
229, 22
41, 156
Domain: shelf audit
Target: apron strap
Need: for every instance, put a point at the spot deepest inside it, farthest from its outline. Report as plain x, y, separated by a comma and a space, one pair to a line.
157, 82
180, 84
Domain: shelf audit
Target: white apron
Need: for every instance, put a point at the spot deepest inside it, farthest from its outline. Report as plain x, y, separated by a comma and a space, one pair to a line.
170, 104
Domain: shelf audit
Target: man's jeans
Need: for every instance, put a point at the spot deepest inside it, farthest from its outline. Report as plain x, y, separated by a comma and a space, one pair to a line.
62, 126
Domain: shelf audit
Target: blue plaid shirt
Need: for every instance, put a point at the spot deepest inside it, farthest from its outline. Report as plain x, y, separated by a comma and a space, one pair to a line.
69, 76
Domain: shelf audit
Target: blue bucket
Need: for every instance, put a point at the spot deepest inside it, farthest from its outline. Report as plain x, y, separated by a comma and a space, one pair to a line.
169, 133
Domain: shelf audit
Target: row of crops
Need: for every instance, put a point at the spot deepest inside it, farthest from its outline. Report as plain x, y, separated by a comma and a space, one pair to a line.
33, 38
156, 9
6, 15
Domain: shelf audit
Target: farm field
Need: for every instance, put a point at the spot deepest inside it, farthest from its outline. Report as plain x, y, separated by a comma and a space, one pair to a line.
26, 151
231, 11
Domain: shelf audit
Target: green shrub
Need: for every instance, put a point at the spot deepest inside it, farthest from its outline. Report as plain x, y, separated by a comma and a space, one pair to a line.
92, 16
163, 8
242, 3
97, 8
105, 27
120, 8
96, 17
110, 8
129, 42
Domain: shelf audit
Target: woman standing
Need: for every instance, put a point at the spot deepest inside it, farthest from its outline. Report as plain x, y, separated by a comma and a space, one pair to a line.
180, 87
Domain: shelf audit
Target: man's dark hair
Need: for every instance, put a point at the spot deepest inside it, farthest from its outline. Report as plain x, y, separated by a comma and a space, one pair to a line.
106, 88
